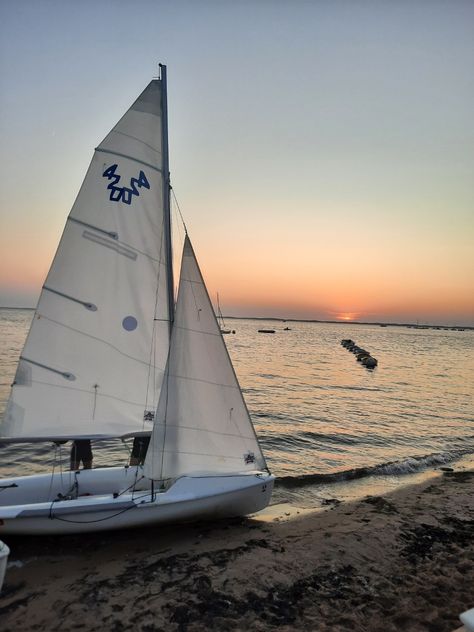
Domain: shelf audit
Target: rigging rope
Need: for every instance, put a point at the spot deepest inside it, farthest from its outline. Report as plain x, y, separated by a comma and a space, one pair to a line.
179, 210
53, 517
56, 446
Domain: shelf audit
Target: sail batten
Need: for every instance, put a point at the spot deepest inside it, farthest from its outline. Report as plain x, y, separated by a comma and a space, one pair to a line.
109, 233
86, 304
65, 374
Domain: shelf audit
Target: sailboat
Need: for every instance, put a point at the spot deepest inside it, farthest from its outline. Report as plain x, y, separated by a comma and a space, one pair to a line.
220, 318
110, 355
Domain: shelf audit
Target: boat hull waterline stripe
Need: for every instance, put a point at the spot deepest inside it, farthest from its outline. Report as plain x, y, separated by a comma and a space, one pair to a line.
56, 508
57, 511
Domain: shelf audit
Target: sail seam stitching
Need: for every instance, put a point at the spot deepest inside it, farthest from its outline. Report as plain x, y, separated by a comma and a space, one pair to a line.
217, 432
120, 155
198, 379
138, 140
83, 390
197, 331
105, 342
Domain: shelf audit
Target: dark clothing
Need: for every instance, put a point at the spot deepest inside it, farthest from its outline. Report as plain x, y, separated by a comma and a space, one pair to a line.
139, 449
81, 451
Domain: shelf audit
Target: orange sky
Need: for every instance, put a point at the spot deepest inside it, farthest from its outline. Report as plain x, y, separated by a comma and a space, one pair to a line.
322, 158
278, 270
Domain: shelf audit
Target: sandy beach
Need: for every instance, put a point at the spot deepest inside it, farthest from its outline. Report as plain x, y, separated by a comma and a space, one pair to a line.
403, 561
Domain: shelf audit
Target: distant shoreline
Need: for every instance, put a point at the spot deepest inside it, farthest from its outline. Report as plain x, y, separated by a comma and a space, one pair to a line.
316, 320
351, 322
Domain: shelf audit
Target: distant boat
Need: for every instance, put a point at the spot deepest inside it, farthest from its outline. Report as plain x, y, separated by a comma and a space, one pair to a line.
266, 331
221, 321
287, 329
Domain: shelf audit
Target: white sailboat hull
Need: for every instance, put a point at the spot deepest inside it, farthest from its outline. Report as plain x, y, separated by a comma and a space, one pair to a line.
102, 499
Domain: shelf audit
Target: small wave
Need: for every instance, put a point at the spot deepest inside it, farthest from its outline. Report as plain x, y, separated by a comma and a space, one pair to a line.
392, 468
333, 387
272, 416
339, 438
317, 440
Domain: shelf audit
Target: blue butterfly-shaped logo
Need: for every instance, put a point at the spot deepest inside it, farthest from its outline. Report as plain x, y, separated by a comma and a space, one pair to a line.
124, 194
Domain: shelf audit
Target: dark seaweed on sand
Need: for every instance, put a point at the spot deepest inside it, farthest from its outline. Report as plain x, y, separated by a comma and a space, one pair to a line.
422, 539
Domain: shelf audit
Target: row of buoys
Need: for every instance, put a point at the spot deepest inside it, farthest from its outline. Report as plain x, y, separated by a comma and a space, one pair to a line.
361, 354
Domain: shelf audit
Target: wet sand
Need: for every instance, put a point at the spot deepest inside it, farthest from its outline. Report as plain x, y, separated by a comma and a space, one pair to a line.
402, 561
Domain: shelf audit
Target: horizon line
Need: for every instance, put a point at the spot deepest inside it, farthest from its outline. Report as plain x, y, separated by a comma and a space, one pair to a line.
320, 320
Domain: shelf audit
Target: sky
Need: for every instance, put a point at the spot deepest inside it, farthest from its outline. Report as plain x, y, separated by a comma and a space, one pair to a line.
322, 152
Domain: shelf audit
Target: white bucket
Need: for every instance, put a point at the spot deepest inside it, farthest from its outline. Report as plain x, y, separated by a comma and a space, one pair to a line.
468, 619
4, 553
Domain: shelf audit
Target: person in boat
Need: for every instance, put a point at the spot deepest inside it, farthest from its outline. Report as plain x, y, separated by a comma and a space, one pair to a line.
81, 451
139, 450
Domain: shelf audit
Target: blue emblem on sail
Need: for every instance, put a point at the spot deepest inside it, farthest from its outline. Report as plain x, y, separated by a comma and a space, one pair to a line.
249, 458
124, 194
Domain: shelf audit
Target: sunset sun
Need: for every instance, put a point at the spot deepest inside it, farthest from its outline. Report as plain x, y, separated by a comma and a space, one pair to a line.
347, 316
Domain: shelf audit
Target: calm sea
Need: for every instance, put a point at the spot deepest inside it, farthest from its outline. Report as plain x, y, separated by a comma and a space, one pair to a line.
320, 415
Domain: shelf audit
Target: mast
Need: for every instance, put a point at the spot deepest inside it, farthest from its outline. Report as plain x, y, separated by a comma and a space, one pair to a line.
166, 193
220, 317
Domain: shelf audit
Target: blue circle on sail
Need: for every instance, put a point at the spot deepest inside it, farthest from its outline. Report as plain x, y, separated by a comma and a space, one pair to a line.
129, 323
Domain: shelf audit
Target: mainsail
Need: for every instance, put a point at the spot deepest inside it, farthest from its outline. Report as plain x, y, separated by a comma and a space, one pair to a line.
202, 424
93, 362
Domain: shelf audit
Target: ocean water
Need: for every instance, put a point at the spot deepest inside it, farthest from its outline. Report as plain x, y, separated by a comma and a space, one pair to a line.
320, 415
